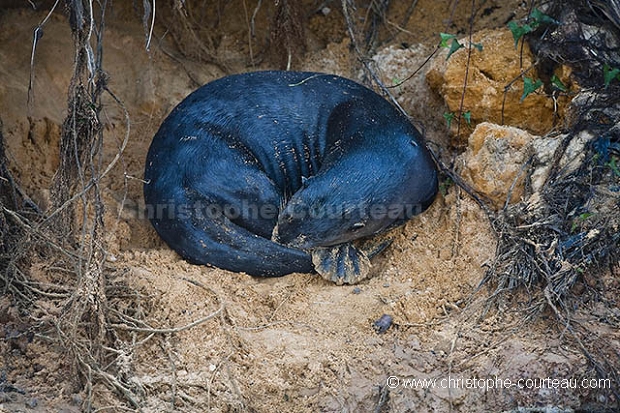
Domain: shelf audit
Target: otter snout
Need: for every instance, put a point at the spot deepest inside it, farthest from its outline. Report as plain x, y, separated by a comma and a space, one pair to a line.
300, 242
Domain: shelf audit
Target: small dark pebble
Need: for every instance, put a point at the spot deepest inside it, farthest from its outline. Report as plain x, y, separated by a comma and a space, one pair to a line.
357, 290
32, 403
383, 324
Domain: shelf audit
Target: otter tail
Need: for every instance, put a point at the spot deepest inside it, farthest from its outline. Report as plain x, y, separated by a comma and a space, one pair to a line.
207, 238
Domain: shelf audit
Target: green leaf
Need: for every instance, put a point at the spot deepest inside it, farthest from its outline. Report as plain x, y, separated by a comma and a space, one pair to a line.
529, 86
613, 166
454, 44
582, 218
454, 47
558, 84
536, 18
609, 73
445, 38
539, 17
518, 31
448, 116
467, 117
573, 227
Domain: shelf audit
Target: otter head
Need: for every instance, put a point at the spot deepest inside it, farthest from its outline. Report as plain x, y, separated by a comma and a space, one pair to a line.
323, 214
360, 195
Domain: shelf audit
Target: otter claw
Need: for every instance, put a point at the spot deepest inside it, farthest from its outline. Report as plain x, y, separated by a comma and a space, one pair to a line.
372, 247
341, 264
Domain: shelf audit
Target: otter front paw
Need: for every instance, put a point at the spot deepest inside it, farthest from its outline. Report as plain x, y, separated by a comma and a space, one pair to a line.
341, 264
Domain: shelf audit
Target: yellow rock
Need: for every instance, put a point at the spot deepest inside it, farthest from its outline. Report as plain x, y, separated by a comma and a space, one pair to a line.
495, 69
494, 159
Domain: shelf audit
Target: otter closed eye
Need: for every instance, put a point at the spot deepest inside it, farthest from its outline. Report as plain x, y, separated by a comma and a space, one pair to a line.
307, 162
357, 226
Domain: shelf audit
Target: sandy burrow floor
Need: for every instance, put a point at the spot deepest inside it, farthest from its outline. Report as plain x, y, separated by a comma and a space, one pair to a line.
295, 343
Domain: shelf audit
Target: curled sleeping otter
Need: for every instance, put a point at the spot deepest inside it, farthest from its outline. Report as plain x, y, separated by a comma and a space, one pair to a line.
271, 173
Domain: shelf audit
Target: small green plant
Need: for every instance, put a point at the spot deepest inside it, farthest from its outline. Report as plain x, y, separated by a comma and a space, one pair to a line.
519, 30
536, 18
539, 18
445, 185
454, 43
530, 86
448, 116
613, 165
467, 117
581, 218
449, 41
397, 82
610, 73
558, 84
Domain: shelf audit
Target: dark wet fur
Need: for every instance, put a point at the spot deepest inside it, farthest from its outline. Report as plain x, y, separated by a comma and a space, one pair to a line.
255, 140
